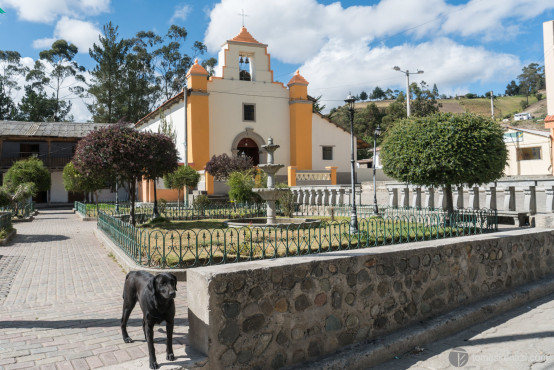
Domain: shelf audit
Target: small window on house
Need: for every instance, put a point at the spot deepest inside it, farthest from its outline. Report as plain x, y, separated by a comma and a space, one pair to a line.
327, 153
526, 154
249, 112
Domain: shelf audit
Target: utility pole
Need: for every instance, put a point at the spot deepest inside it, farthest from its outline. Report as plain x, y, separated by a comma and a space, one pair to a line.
492, 105
407, 73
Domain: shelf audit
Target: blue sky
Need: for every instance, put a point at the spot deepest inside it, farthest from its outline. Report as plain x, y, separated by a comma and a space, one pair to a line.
463, 46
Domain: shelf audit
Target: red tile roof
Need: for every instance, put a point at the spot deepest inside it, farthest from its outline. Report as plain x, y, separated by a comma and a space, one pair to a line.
549, 118
197, 69
245, 36
298, 79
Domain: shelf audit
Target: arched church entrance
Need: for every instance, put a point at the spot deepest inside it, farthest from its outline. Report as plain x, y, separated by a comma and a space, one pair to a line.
250, 149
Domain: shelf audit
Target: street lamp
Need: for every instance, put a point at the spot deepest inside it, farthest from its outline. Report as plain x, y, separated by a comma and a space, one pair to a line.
376, 134
407, 73
353, 216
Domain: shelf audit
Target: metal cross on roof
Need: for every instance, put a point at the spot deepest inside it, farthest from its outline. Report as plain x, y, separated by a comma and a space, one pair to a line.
243, 15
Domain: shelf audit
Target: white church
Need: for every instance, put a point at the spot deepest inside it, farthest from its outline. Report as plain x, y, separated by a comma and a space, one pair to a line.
237, 109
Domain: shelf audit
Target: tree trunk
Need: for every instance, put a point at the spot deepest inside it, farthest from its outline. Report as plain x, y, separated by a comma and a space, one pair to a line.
132, 198
449, 205
155, 213
178, 197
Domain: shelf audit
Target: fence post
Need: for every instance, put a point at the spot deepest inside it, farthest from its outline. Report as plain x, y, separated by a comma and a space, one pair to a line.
393, 197
530, 200
490, 197
474, 197
442, 198
291, 176
509, 198
405, 197
341, 196
333, 170
429, 197
326, 197
334, 197
416, 200
459, 197
549, 199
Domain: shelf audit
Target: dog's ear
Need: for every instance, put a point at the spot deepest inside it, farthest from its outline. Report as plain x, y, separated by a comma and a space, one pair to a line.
152, 283
174, 280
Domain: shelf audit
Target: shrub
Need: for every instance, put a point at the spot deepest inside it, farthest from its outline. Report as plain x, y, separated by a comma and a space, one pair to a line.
162, 204
28, 170
286, 201
241, 184
221, 166
201, 201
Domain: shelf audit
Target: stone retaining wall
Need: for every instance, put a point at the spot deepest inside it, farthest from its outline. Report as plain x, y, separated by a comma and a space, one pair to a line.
275, 313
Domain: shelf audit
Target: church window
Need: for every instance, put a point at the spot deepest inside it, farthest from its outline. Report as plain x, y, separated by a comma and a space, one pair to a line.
327, 153
248, 112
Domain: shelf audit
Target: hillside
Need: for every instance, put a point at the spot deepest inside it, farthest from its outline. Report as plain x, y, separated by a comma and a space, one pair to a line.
504, 107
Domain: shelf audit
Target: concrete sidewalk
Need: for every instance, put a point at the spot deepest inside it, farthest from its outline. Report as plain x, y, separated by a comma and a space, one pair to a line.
60, 302
522, 338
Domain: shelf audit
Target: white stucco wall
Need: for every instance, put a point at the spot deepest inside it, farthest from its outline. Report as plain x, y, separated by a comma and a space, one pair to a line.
271, 113
528, 167
325, 133
259, 66
58, 194
174, 115
548, 35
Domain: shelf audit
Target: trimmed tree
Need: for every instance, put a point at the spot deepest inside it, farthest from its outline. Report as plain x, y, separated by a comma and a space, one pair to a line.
162, 159
220, 166
183, 177
28, 170
445, 149
121, 152
74, 181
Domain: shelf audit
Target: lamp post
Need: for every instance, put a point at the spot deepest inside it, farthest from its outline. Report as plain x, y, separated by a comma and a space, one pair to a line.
116, 196
407, 73
376, 134
353, 216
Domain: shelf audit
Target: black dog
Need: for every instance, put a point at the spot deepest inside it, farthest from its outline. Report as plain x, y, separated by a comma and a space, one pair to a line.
155, 295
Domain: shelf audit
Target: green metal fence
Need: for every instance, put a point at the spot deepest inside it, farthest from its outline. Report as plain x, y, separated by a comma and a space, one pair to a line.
183, 248
5, 221
23, 210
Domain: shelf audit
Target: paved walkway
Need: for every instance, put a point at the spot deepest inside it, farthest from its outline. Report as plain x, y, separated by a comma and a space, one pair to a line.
519, 339
60, 301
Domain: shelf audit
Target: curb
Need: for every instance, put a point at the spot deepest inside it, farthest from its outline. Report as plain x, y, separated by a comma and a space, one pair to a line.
185, 358
8, 238
27, 219
84, 218
374, 352
127, 264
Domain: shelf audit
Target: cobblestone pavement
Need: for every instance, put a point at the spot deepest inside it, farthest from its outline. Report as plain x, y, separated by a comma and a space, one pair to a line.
61, 298
519, 339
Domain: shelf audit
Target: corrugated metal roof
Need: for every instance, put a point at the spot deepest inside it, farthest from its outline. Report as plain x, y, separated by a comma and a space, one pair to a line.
48, 129
530, 131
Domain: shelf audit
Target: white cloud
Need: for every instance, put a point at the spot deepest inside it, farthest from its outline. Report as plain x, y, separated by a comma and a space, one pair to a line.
297, 29
82, 34
47, 11
493, 19
44, 43
181, 13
